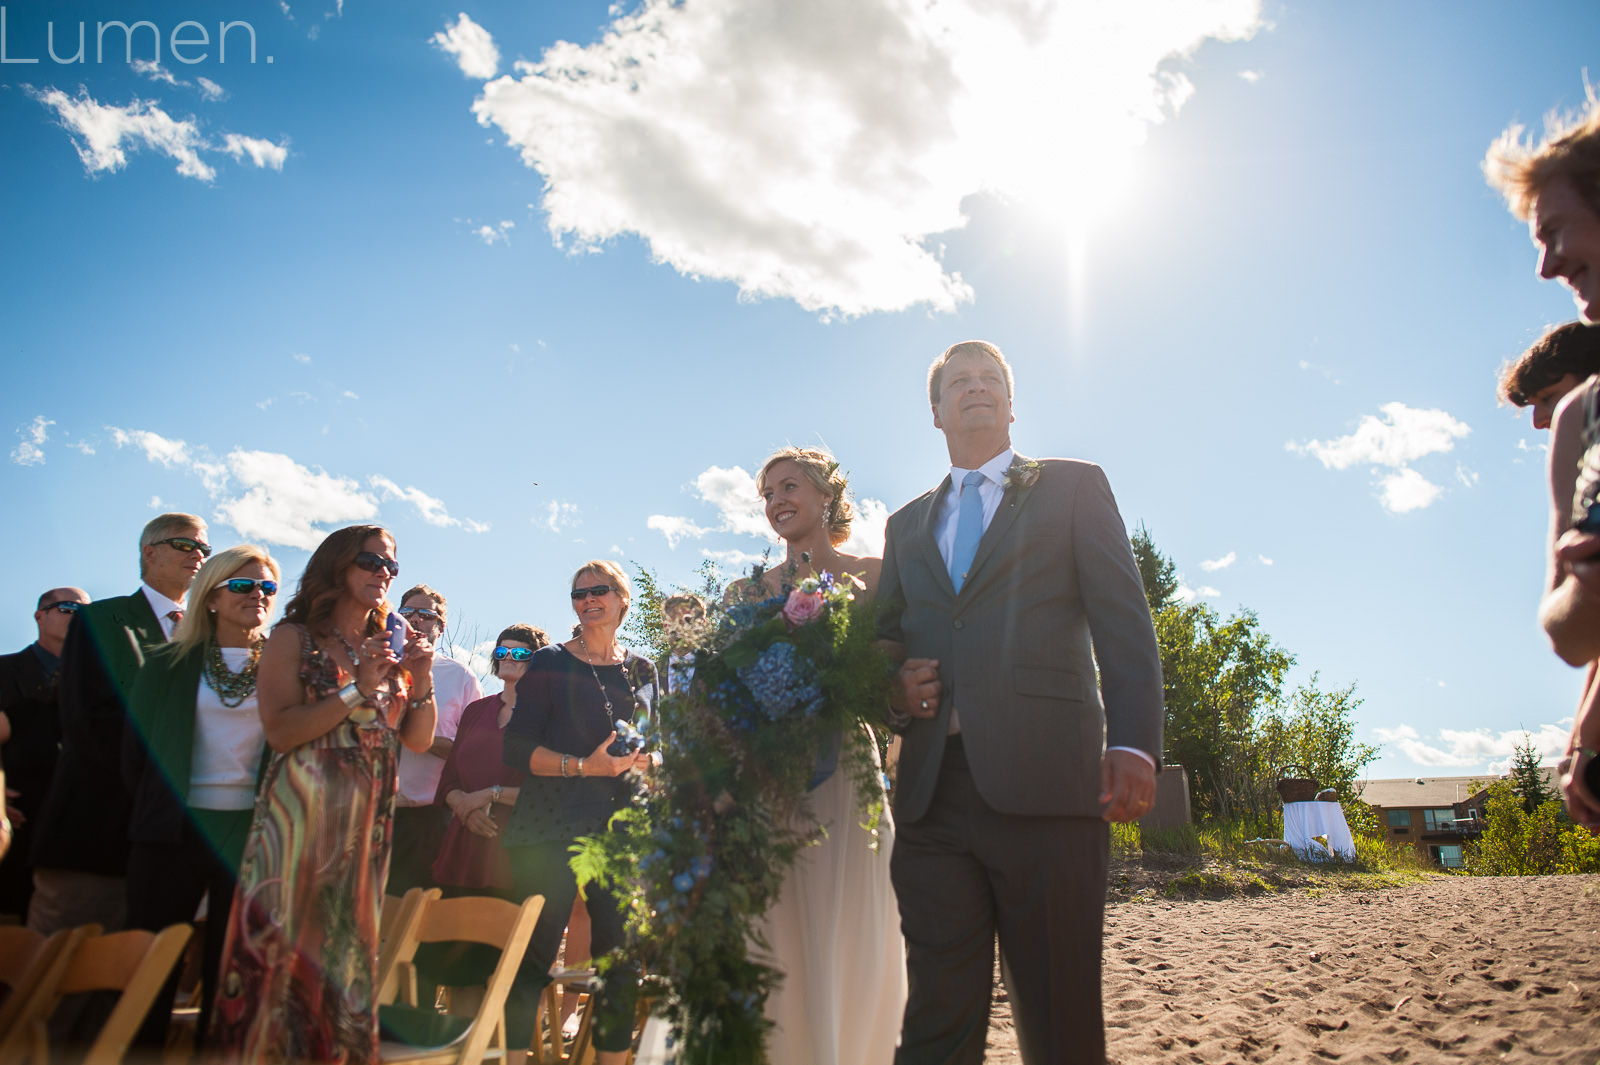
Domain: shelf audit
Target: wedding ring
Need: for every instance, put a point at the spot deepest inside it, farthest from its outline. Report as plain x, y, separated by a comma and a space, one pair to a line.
924, 704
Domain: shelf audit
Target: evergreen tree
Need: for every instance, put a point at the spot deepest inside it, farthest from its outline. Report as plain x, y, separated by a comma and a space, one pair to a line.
1156, 570
1527, 778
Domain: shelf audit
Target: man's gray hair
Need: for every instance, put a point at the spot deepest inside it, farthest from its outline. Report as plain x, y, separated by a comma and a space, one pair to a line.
162, 526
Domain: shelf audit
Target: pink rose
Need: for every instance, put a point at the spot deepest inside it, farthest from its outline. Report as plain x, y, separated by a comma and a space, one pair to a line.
802, 608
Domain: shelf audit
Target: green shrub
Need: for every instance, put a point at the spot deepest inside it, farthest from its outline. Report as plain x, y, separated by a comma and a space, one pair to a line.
1518, 843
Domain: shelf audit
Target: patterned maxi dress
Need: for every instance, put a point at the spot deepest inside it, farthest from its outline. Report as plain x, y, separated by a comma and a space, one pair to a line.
299, 965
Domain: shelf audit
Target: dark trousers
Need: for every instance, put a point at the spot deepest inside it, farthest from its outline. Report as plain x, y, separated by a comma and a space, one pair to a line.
165, 884
546, 869
417, 836
964, 872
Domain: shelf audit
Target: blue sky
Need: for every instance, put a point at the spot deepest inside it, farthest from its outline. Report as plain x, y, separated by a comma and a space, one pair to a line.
548, 281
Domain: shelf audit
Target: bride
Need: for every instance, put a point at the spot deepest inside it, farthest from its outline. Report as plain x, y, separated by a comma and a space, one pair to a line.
834, 929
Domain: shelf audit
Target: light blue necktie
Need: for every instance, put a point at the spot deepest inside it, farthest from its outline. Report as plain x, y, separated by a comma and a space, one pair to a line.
969, 528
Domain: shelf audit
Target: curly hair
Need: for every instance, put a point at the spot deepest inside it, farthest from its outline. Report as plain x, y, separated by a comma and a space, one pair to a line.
532, 635
1520, 170
322, 583
1573, 348
822, 472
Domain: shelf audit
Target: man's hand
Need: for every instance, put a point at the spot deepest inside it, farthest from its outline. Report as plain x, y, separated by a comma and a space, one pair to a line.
916, 688
1579, 553
1583, 807
1127, 786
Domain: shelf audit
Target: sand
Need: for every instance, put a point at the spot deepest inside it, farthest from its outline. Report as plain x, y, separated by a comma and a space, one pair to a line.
1456, 969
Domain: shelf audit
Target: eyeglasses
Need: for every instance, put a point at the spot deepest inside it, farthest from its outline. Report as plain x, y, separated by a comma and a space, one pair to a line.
63, 606
373, 562
244, 586
596, 590
422, 612
516, 654
186, 544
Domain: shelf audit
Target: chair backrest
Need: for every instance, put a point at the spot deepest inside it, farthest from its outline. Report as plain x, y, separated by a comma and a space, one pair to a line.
492, 922
134, 963
396, 976
26, 958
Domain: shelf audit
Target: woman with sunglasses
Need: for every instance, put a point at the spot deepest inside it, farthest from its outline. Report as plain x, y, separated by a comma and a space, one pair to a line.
191, 758
299, 967
477, 785
570, 703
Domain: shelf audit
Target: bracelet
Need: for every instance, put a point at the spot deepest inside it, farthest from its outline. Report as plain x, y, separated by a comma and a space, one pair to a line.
564, 764
418, 700
580, 767
495, 795
351, 696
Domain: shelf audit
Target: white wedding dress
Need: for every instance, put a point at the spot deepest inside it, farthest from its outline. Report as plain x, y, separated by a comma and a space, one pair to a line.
835, 935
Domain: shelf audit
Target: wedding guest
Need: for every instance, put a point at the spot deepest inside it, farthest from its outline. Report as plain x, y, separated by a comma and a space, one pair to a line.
29, 707
568, 705
299, 962
1555, 187
191, 758
679, 614
80, 846
419, 824
1031, 696
1554, 365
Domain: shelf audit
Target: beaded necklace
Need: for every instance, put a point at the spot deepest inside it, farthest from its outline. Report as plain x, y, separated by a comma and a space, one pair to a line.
232, 688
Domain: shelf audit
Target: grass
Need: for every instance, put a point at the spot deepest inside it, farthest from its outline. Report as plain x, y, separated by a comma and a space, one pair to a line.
1217, 860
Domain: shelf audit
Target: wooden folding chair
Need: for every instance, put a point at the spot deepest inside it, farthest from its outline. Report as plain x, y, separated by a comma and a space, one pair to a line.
490, 921
134, 963
398, 914
26, 958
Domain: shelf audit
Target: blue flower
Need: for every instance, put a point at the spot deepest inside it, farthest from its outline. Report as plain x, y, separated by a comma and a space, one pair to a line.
701, 867
682, 882
663, 906
782, 681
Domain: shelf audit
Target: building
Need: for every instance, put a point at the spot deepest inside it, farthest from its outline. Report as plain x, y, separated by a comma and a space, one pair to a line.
1436, 815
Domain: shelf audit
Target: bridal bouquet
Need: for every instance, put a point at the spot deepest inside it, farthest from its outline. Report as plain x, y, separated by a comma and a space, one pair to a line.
782, 689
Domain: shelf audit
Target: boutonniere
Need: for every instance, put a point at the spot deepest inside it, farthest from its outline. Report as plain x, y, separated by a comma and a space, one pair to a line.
1021, 475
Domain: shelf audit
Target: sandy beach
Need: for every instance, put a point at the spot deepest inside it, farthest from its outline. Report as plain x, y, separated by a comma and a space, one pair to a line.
1457, 969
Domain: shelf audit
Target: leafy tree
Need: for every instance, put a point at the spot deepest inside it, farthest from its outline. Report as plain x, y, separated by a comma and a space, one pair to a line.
643, 629
1516, 842
1156, 570
1527, 778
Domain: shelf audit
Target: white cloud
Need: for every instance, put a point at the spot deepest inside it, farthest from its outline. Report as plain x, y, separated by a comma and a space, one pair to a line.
156, 448
813, 153
867, 529
492, 234
1250, 75
1477, 748
1465, 477
1186, 594
739, 507
432, 510
156, 503
1224, 562
287, 503
263, 153
1403, 435
1406, 490
472, 46
30, 449
559, 516
736, 560
155, 71
675, 529
83, 446
1264, 560
104, 134
302, 358
1207, 591
100, 133
210, 89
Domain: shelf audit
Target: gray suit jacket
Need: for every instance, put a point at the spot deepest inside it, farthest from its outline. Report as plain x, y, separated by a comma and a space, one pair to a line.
1053, 591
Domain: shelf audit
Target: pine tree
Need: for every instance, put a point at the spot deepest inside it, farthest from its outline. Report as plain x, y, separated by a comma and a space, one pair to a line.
1527, 778
1160, 576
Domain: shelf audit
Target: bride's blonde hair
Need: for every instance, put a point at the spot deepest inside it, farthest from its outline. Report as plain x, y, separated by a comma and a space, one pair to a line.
822, 471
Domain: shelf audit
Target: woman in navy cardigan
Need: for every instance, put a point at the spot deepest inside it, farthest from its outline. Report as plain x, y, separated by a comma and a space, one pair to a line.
191, 759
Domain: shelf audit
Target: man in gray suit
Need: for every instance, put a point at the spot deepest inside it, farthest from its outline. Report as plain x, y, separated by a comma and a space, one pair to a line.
1002, 590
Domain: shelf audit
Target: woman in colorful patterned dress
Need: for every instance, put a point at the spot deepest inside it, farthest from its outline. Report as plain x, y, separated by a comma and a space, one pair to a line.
299, 967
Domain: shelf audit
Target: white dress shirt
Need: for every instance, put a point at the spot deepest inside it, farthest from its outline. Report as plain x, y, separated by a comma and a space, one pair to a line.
454, 688
162, 606
990, 491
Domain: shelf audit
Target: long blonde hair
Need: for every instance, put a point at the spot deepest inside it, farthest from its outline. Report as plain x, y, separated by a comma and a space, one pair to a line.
198, 626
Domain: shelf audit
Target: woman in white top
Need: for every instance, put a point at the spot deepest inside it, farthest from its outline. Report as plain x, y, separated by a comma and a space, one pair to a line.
191, 758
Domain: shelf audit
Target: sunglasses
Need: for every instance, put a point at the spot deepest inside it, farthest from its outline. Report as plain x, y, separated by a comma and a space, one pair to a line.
516, 654
244, 586
596, 590
422, 612
64, 606
186, 544
373, 562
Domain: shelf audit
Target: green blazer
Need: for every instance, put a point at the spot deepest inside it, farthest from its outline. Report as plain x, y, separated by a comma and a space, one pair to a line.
158, 745
84, 823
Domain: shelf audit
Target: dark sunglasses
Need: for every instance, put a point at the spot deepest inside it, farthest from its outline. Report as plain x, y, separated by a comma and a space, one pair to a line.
422, 612
64, 606
373, 562
596, 590
186, 544
516, 654
244, 586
